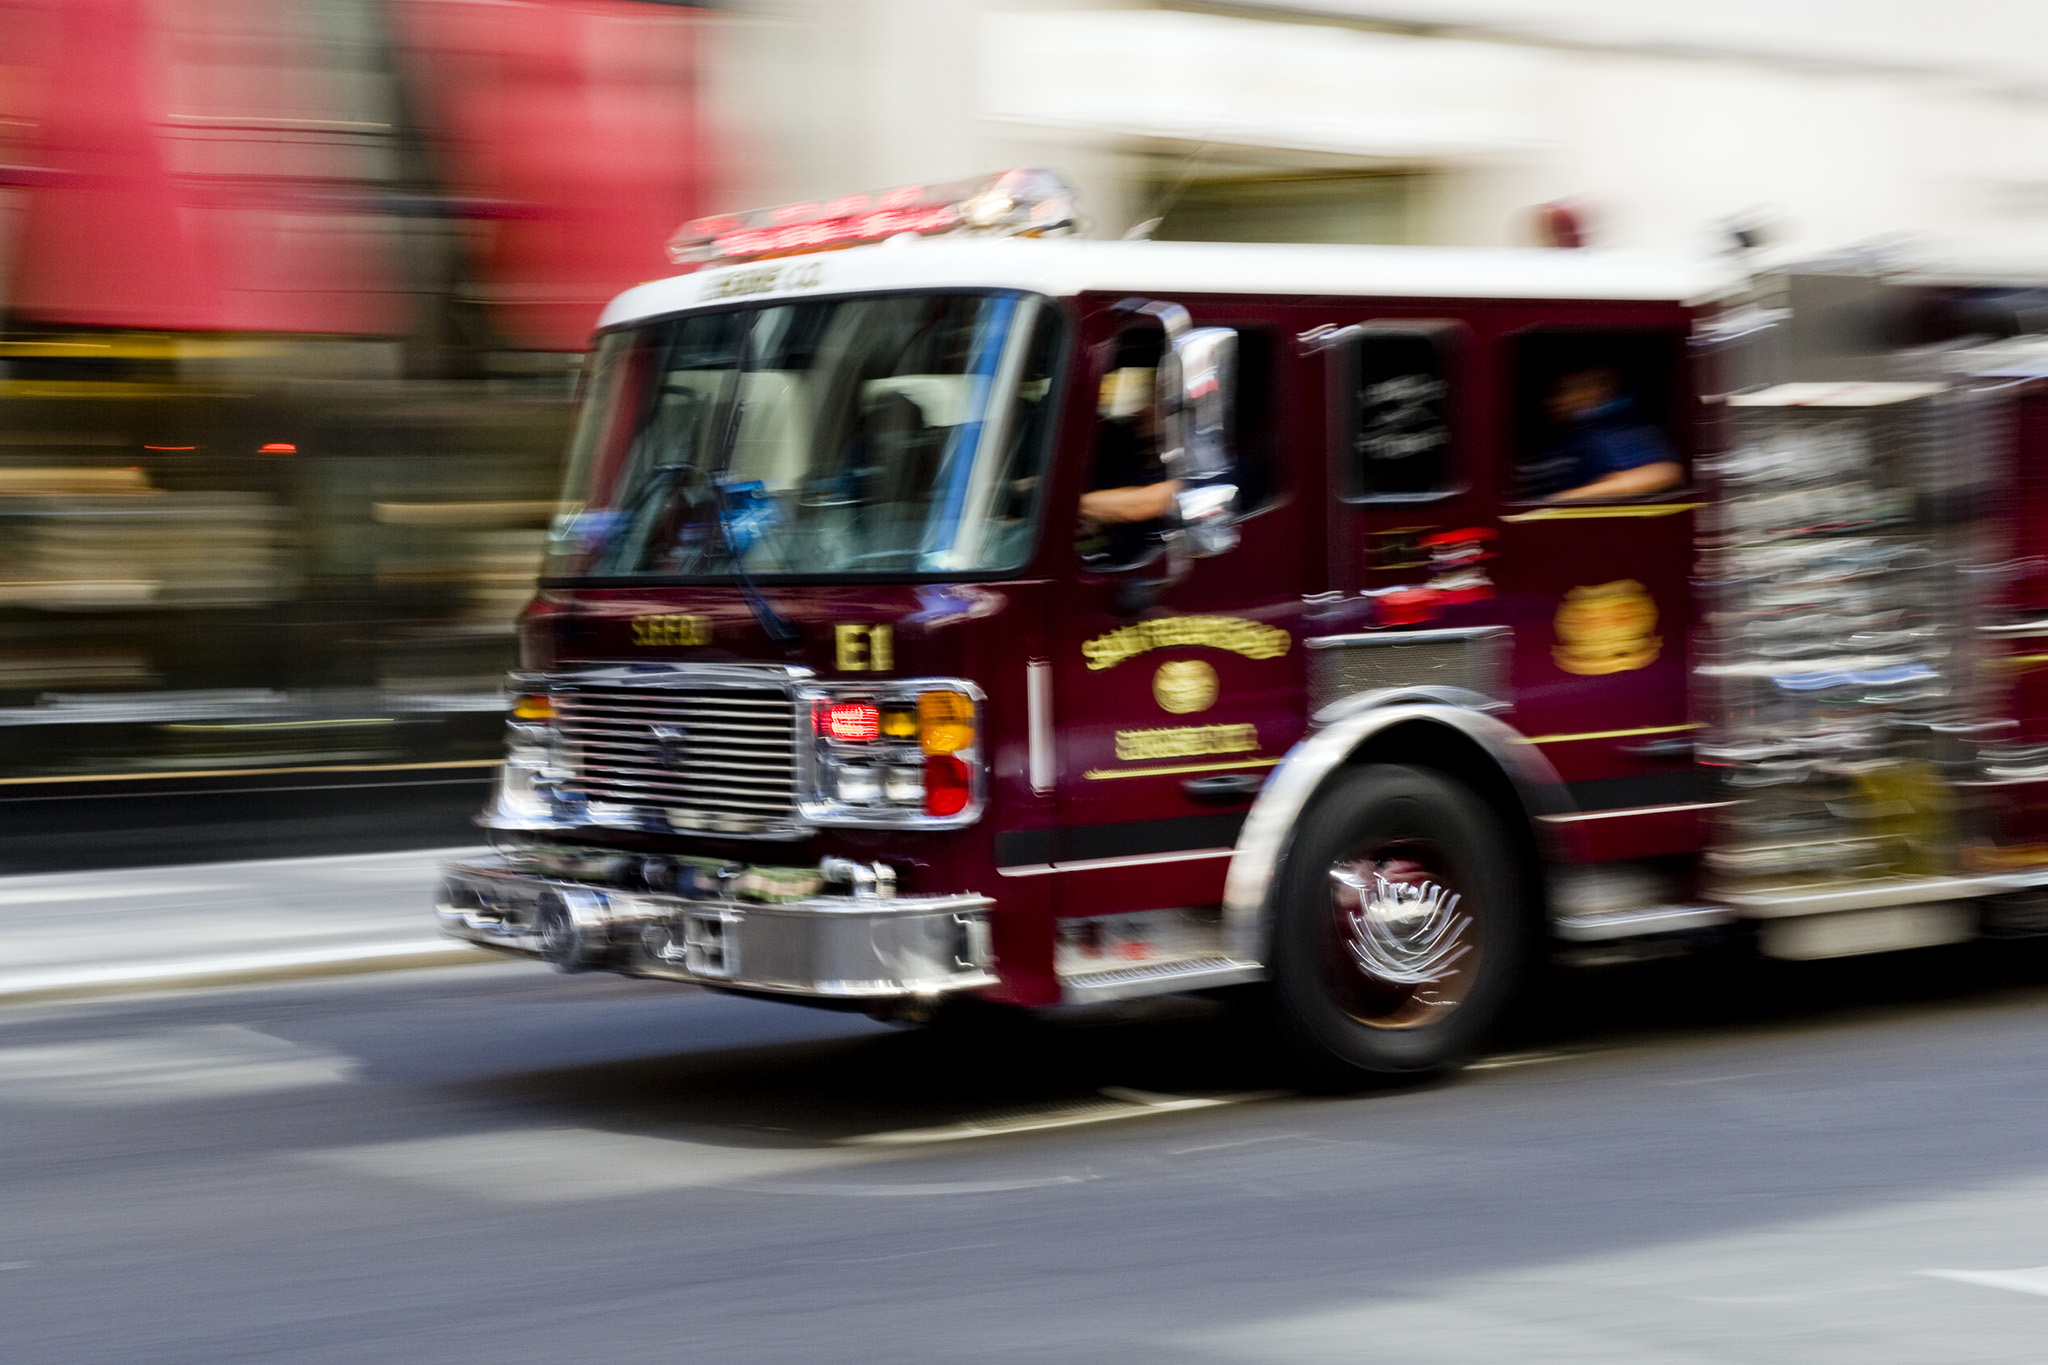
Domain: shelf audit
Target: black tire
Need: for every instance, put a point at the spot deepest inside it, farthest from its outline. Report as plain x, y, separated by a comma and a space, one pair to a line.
1407, 973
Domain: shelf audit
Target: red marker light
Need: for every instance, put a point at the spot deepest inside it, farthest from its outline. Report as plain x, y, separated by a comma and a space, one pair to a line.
851, 722
1408, 606
947, 785
150, 447
277, 448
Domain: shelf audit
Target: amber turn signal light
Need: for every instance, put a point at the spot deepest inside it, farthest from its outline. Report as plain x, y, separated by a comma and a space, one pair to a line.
945, 722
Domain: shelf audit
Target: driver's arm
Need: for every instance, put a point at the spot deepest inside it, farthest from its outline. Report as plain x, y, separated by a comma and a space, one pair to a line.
1145, 502
1653, 477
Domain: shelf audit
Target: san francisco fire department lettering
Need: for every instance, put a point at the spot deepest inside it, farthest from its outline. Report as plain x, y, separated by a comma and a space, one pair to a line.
1186, 741
1233, 633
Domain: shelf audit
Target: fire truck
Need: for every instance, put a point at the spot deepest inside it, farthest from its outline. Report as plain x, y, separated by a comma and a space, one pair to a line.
946, 607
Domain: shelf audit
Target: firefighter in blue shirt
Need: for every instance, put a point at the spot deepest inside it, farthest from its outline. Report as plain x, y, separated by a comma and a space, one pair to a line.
1605, 451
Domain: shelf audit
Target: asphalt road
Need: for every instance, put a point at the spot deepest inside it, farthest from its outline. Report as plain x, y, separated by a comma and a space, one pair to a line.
1841, 1162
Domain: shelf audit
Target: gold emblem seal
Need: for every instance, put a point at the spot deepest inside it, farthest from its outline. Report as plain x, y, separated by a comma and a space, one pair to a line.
1184, 685
1606, 629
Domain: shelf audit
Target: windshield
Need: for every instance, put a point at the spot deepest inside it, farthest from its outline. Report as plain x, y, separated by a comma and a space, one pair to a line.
879, 436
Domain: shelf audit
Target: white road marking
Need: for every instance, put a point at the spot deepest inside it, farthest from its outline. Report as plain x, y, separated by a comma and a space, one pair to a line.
55, 895
1241, 1142
1508, 1059
568, 1165
43, 980
898, 1256
1429, 1330
1117, 1103
2033, 1280
1754, 1300
178, 1065
913, 1188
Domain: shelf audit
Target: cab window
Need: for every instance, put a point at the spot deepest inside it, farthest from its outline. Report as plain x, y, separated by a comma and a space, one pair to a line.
1394, 386
1252, 424
1597, 416
1123, 514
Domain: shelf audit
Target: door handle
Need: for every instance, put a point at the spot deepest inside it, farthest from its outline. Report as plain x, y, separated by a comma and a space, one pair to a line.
1223, 788
1679, 746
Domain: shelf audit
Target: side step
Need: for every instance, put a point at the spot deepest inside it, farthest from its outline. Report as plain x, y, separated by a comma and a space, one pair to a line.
1162, 978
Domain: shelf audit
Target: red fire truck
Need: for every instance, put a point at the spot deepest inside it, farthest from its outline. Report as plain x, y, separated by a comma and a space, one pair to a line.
941, 607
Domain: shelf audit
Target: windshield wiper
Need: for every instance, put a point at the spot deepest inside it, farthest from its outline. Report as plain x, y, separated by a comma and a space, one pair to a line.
778, 630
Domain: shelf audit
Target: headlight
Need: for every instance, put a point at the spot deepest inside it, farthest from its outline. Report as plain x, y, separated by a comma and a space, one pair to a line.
534, 771
857, 784
904, 755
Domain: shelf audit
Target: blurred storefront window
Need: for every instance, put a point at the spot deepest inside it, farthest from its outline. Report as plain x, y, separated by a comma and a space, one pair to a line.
294, 298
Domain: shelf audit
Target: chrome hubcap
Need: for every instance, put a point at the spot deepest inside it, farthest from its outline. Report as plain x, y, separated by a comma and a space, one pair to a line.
1400, 933
1401, 948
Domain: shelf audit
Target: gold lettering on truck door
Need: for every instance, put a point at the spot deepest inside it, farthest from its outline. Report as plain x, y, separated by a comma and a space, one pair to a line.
1186, 741
671, 631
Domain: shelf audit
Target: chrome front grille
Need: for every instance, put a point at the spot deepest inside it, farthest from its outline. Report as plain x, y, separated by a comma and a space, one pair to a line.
716, 759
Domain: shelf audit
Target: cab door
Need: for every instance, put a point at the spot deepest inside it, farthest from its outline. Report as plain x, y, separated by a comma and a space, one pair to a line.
1174, 699
1599, 592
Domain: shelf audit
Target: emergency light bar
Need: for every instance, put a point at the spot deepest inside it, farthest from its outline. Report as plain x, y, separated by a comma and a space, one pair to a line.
1019, 203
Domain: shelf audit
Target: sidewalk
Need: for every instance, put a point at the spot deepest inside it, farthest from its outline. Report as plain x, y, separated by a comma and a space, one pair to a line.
153, 928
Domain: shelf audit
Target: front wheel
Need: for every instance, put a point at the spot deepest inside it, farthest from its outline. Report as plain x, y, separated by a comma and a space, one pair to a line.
1399, 934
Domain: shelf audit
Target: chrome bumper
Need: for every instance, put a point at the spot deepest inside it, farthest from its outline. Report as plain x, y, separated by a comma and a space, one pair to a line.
827, 947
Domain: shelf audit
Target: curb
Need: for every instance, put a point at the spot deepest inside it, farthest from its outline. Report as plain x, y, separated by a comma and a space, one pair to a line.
239, 969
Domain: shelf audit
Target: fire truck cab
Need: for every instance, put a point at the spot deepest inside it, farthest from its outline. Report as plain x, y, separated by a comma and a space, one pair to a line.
980, 612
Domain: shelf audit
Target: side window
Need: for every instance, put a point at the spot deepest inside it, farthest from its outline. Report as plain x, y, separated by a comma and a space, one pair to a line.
1123, 510
1251, 437
1598, 415
1129, 498
1394, 400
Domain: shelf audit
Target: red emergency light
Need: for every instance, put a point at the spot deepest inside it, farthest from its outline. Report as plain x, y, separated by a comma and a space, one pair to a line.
851, 722
1019, 203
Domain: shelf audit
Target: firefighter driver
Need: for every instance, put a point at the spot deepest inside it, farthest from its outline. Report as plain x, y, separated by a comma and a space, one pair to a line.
1129, 493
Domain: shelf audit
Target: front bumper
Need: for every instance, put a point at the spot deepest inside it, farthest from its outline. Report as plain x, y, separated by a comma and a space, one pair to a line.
822, 947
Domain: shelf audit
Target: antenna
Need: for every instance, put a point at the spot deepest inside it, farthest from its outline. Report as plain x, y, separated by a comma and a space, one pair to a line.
1142, 230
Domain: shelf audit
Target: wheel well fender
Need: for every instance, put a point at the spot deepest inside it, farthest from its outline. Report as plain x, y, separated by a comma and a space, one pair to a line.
1479, 750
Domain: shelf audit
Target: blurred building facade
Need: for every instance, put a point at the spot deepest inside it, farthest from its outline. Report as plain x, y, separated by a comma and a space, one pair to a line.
1440, 121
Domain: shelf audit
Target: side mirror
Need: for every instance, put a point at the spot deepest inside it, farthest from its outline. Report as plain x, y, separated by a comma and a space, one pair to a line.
1199, 413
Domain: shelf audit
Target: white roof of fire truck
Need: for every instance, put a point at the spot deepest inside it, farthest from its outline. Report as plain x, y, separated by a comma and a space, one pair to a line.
1001, 232
1068, 266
